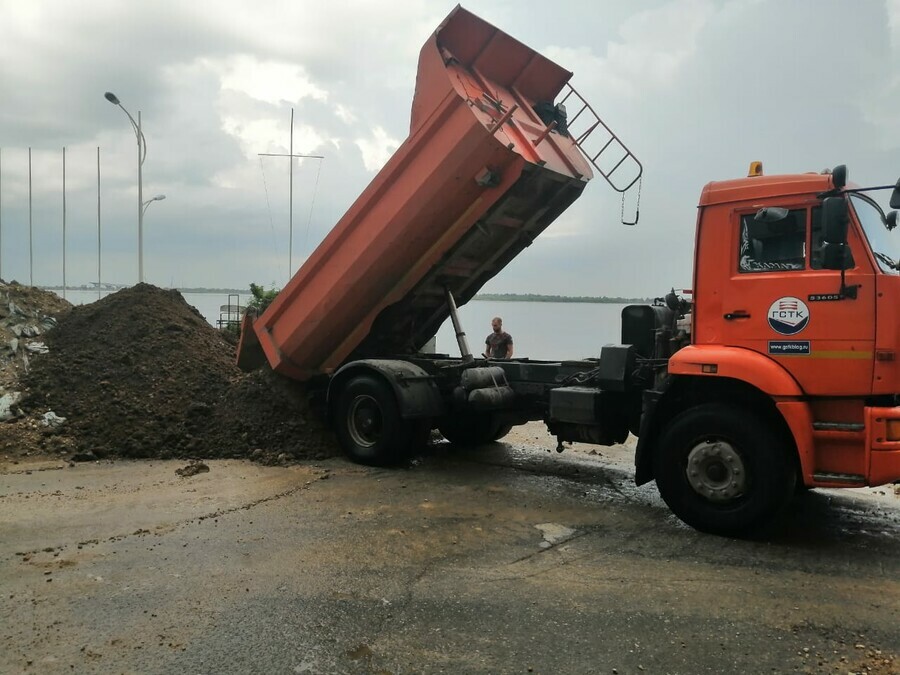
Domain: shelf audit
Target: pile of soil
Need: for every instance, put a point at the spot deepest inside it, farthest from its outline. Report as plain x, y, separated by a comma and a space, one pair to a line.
141, 373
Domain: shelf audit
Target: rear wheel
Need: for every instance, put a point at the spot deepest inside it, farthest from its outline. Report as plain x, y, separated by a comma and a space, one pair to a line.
368, 423
722, 470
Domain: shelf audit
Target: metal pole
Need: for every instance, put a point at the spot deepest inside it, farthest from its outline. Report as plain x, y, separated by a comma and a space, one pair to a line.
30, 238
1, 216
140, 203
457, 327
64, 222
99, 292
291, 209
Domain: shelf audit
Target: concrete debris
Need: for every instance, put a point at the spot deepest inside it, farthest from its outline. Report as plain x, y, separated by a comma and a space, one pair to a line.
554, 533
7, 402
26, 315
52, 420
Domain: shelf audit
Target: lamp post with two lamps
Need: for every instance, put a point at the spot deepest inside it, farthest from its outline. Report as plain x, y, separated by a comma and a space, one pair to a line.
142, 155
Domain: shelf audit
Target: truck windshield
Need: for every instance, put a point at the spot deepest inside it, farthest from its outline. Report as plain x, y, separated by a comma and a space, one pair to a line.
884, 246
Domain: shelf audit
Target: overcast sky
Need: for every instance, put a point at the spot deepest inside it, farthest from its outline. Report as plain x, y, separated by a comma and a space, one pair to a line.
696, 88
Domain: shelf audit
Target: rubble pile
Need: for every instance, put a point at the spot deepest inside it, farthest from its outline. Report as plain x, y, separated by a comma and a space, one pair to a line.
141, 373
26, 314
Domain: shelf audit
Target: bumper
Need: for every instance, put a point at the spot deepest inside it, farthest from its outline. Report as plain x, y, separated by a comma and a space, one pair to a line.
883, 445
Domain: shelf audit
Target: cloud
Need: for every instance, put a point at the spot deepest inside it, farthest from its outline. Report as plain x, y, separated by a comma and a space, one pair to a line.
647, 54
345, 114
893, 11
881, 108
377, 148
269, 81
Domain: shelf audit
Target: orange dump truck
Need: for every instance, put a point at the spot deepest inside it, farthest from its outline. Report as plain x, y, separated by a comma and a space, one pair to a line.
489, 163
782, 369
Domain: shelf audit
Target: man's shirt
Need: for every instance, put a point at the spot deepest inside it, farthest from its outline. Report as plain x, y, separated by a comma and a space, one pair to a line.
498, 345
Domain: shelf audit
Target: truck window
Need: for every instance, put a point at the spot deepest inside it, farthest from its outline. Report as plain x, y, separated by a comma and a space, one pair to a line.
882, 240
771, 247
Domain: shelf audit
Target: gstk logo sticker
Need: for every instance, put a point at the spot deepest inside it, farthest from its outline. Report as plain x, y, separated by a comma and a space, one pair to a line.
788, 316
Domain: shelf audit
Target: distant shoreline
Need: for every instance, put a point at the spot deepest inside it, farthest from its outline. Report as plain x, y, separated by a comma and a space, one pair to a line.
482, 297
529, 297
118, 287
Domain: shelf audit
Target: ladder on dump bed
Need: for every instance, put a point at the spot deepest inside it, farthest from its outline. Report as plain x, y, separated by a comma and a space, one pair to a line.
613, 160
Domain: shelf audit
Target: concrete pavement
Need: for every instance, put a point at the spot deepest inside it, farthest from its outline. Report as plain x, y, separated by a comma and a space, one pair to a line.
506, 559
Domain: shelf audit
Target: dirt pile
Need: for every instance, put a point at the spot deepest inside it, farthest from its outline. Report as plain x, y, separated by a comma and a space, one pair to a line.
141, 373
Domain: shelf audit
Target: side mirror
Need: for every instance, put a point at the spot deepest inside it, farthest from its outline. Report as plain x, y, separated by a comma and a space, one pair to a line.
835, 220
771, 214
890, 220
836, 257
839, 176
895, 196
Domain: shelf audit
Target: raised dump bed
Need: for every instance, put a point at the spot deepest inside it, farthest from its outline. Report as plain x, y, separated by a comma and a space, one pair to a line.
487, 166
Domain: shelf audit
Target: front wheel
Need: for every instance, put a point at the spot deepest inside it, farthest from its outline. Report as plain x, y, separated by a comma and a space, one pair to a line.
723, 471
368, 423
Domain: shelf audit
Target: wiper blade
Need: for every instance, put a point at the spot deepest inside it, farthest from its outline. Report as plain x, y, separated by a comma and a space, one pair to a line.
887, 260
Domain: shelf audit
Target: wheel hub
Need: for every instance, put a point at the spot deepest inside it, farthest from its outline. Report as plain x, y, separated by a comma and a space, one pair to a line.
364, 421
716, 471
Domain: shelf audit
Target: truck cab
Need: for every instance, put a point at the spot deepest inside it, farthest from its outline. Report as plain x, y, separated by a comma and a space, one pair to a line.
794, 332
761, 283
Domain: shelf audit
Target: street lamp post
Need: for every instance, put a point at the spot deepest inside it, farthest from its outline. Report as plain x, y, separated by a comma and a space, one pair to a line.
142, 155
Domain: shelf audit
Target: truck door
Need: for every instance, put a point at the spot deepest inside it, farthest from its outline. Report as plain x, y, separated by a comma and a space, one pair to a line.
779, 301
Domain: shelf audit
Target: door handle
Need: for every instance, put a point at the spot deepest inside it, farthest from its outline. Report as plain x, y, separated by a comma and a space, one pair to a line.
731, 316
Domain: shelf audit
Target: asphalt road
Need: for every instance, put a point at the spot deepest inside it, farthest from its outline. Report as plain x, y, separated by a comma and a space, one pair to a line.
502, 560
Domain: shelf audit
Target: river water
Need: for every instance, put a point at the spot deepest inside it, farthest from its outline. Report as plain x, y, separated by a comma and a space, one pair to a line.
540, 330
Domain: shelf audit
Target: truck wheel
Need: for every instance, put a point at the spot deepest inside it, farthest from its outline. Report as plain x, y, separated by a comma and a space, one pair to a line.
368, 423
476, 429
723, 471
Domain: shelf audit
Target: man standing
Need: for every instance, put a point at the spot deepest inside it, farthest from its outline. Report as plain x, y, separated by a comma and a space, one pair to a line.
498, 345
